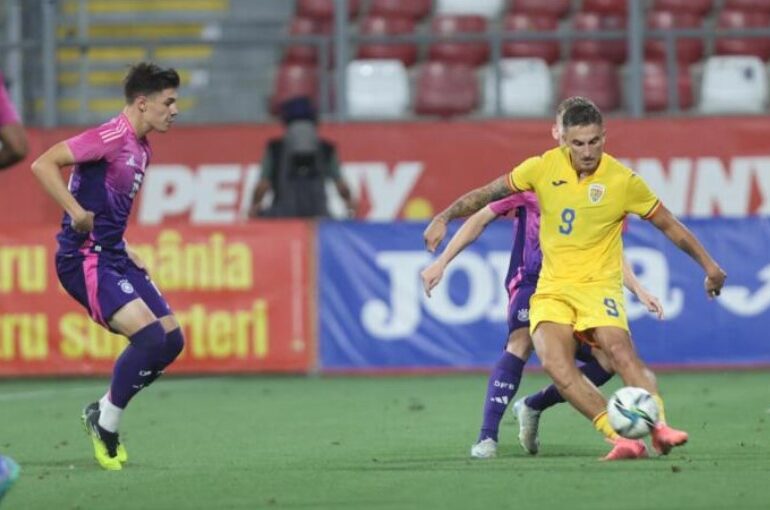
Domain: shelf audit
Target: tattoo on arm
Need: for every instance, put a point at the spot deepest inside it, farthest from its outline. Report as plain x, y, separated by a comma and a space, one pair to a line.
476, 199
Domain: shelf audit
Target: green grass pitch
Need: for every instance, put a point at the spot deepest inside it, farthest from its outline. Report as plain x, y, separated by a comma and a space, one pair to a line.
375, 443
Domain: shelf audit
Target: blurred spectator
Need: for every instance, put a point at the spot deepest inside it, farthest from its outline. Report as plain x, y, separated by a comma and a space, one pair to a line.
13, 141
296, 166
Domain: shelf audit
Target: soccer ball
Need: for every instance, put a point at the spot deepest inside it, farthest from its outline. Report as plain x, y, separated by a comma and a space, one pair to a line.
632, 412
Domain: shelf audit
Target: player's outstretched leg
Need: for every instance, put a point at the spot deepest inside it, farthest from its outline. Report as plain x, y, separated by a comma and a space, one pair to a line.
9, 472
664, 438
626, 449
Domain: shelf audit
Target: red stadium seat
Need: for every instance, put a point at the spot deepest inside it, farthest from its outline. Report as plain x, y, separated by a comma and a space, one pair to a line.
415, 9
554, 8
547, 50
596, 80
305, 53
380, 25
614, 51
324, 9
655, 87
698, 7
748, 5
687, 50
446, 89
758, 47
617, 7
293, 80
471, 53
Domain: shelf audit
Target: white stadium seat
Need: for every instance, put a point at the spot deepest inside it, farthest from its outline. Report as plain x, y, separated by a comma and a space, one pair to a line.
377, 88
490, 9
734, 84
526, 88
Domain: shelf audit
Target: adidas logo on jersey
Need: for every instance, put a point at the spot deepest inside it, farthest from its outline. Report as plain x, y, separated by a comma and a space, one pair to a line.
132, 162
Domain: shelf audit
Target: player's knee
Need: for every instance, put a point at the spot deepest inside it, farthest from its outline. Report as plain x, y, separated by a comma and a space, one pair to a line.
174, 344
558, 369
621, 356
150, 338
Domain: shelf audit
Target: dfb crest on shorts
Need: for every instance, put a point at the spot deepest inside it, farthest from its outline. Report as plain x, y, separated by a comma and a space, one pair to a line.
523, 315
595, 193
126, 286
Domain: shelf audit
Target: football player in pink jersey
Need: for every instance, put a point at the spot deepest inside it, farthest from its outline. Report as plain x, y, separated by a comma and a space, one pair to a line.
12, 137
93, 261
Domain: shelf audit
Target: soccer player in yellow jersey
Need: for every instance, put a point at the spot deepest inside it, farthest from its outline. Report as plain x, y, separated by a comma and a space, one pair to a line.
584, 196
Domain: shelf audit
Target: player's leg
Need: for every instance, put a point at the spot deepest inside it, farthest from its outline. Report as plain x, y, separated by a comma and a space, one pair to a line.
131, 371
529, 408
616, 343
505, 377
555, 347
595, 367
174, 341
501, 387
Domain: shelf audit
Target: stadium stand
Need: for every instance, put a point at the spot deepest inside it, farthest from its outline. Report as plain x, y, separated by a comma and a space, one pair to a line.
414, 9
293, 80
655, 87
613, 51
323, 10
470, 53
526, 88
614, 7
446, 89
518, 22
759, 47
689, 50
377, 88
699, 7
734, 84
207, 69
490, 9
556, 8
595, 79
387, 25
305, 53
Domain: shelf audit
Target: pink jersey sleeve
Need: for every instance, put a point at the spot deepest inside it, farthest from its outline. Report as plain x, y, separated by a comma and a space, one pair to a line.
8, 114
92, 145
507, 204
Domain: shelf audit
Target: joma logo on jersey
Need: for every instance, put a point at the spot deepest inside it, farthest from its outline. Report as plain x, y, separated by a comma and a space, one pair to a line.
595, 193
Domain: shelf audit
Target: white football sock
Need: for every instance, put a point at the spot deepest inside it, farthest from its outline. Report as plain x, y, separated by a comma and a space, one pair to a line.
109, 418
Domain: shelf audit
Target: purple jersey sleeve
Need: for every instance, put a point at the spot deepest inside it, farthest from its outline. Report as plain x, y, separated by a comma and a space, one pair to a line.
8, 114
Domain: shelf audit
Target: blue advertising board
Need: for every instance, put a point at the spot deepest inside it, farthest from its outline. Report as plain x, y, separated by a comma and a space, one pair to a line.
374, 315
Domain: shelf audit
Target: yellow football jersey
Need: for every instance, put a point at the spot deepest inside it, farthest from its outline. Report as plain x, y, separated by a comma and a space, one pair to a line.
581, 222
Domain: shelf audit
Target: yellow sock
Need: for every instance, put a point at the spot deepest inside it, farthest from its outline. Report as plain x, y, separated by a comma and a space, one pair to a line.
661, 408
602, 424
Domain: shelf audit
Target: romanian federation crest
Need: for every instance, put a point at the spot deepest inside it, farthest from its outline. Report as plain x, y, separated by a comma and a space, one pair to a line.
595, 193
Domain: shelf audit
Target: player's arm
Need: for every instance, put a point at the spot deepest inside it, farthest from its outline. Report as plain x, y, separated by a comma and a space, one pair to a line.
632, 283
688, 243
469, 232
465, 205
262, 187
14, 142
47, 168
